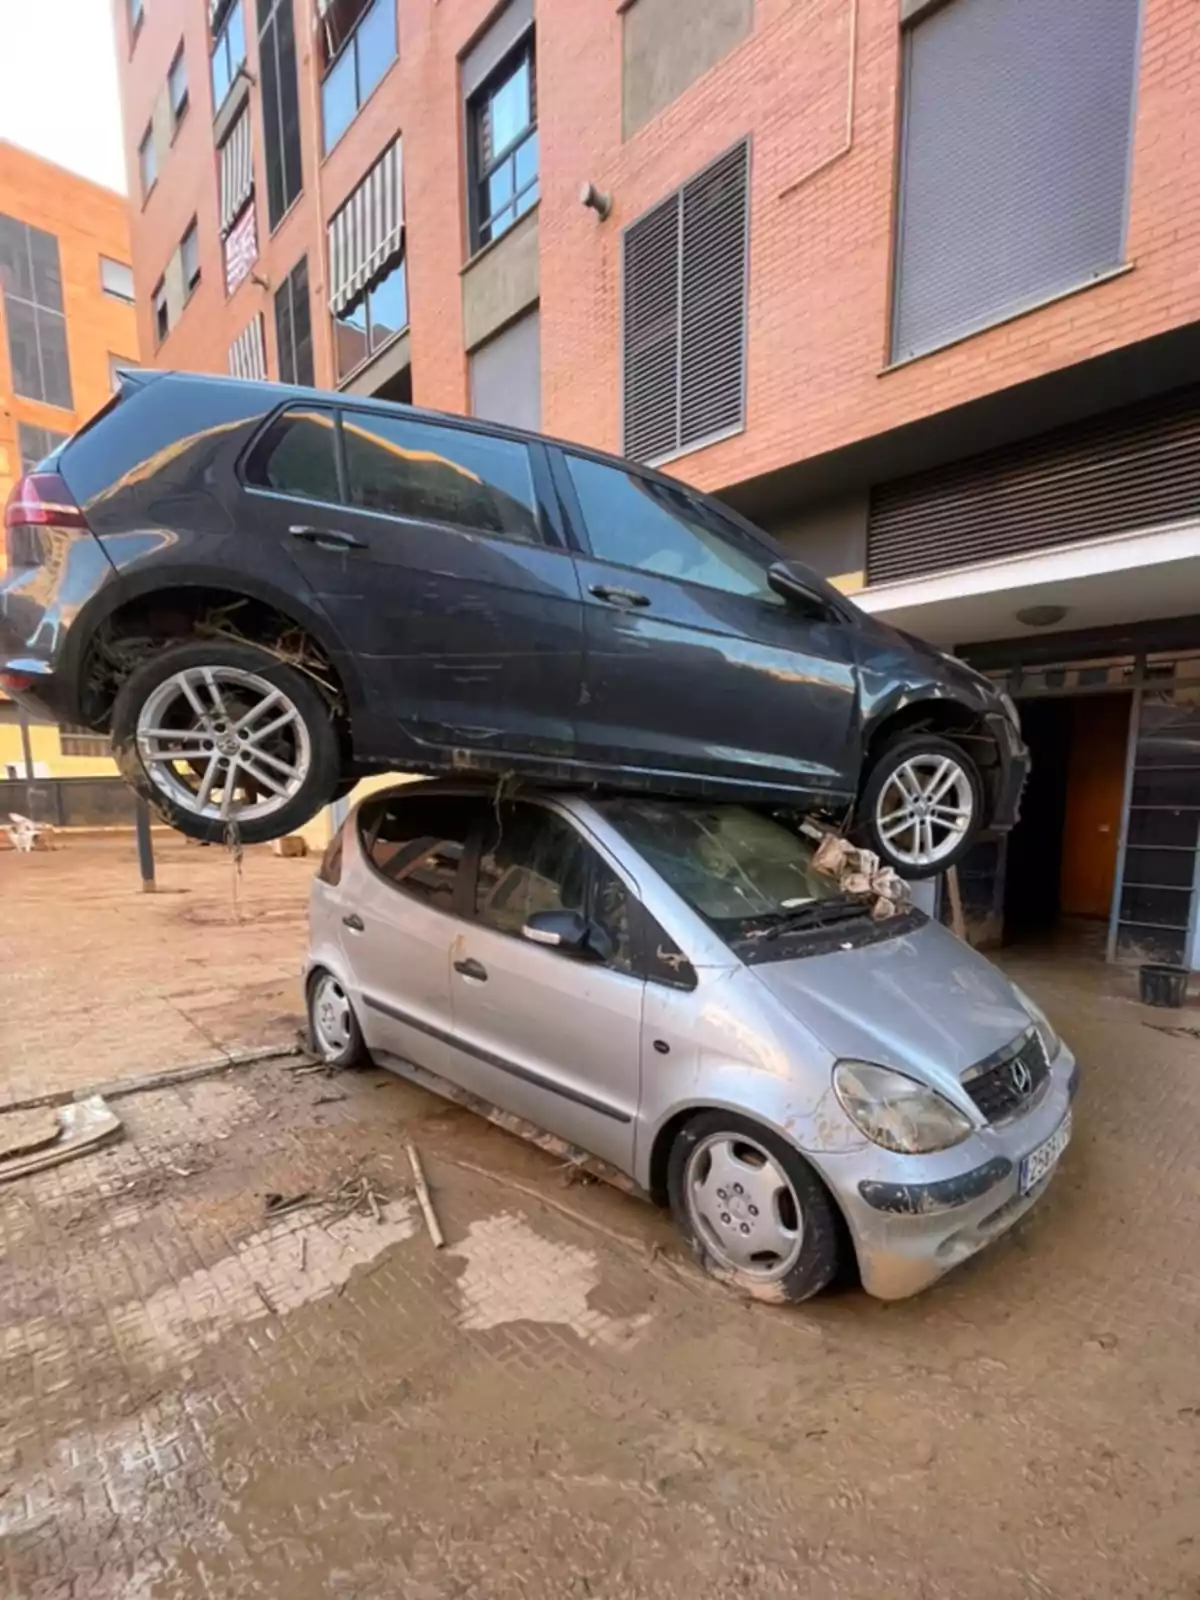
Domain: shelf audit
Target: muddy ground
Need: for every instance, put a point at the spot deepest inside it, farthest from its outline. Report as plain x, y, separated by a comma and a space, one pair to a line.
198, 1398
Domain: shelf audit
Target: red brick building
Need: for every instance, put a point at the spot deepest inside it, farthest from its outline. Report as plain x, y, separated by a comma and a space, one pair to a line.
913, 282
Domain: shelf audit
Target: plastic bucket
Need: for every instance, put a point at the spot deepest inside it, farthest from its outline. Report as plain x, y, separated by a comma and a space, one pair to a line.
1162, 985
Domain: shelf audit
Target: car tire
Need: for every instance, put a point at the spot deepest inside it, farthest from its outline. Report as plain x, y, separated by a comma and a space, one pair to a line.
922, 768
800, 1228
245, 676
333, 1031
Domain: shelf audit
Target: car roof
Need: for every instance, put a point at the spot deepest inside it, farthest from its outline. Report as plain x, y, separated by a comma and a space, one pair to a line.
278, 394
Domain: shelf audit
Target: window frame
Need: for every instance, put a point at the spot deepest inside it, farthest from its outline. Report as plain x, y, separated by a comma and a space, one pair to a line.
479, 174
268, 14
40, 312
190, 283
350, 43
135, 15
125, 299
288, 288
146, 146
219, 41
364, 299
159, 294
180, 111
277, 416
464, 874
754, 538
27, 464
117, 364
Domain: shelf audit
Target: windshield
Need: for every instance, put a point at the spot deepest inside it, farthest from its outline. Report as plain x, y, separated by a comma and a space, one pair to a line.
743, 870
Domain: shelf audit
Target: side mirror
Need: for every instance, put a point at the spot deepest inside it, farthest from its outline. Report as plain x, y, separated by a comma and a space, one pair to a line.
795, 583
569, 932
565, 930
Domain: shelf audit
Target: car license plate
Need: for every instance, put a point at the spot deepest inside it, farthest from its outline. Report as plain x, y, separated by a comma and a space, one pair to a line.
1039, 1163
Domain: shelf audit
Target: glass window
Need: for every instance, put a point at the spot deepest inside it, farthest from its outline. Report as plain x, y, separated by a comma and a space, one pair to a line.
373, 317
532, 860
293, 327
280, 106
360, 41
418, 469
36, 444
147, 162
37, 330
296, 456
136, 12
503, 115
645, 523
177, 86
162, 312
228, 53
417, 842
739, 868
189, 256
116, 279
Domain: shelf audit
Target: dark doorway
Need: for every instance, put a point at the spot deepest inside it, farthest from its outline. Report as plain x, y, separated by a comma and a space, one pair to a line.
1062, 855
398, 387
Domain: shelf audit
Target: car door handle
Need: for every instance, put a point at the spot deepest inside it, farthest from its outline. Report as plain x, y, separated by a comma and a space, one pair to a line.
619, 597
327, 538
470, 968
355, 923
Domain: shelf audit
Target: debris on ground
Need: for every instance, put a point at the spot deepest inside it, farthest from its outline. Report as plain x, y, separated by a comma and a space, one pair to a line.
424, 1199
1176, 1030
25, 835
81, 1126
22, 1132
355, 1194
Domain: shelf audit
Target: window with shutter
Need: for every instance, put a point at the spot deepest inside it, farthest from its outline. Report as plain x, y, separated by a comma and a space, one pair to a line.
685, 314
1015, 137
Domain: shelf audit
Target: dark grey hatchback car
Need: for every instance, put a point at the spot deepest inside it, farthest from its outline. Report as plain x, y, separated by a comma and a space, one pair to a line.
265, 592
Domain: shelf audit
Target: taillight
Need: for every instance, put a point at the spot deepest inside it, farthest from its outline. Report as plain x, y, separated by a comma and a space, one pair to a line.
39, 500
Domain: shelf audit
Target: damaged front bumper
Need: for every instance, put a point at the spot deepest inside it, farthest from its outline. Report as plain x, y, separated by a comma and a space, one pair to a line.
907, 1233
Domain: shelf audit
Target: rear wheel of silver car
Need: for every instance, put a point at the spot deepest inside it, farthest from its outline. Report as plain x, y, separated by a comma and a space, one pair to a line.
226, 741
756, 1215
333, 1030
922, 805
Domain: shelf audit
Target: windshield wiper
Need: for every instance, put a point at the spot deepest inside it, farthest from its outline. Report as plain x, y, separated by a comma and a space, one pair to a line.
820, 914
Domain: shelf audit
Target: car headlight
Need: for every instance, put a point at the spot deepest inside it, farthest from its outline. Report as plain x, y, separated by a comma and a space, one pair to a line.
1046, 1032
898, 1112
1010, 708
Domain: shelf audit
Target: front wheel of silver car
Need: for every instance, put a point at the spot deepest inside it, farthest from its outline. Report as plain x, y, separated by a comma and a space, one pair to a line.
756, 1215
226, 741
922, 805
333, 1030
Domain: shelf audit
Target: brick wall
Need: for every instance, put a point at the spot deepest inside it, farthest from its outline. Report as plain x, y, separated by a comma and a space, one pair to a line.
820, 250
88, 221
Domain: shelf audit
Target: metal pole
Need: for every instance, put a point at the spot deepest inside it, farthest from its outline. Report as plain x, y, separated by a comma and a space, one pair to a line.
27, 756
145, 845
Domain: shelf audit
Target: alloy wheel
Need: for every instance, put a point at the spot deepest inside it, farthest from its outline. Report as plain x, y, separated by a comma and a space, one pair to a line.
924, 809
223, 743
332, 1019
742, 1204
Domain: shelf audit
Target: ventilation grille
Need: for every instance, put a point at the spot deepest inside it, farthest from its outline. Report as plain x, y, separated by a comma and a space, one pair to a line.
685, 314
1113, 474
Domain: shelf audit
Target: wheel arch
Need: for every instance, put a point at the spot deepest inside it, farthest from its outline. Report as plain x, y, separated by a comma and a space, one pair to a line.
949, 717
193, 593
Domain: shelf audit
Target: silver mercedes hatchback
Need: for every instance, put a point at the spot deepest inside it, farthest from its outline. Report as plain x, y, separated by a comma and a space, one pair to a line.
670, 987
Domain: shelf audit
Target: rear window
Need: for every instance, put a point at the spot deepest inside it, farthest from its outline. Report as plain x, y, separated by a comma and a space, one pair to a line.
417, 842
330, 870
296, 456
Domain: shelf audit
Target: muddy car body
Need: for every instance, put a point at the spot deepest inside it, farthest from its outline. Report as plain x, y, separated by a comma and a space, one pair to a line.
263, 593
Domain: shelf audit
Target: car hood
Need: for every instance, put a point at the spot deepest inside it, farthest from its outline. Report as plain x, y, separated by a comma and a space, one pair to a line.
924, 1003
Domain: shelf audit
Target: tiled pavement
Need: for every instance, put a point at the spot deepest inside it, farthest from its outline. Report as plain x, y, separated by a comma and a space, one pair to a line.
100, 982
198, 1400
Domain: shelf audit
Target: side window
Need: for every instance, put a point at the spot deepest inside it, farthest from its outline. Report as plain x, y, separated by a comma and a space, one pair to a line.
532, 860
417, 843
296, 456
643, 523
418, 469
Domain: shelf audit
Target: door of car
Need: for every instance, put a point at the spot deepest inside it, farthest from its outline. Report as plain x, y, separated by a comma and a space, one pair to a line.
398, 921
440, 566
692, 663
552, 1037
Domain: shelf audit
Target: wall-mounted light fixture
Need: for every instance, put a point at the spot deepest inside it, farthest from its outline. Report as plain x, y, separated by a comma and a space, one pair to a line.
595, 200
